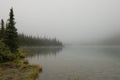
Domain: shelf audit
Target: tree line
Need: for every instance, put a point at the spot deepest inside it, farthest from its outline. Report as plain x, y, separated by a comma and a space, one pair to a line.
26, 40
10, 40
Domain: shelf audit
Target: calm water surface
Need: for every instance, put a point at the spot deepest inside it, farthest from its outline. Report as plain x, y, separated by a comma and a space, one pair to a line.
78, 63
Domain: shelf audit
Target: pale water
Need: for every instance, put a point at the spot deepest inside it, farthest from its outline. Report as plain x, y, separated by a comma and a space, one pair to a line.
78, 62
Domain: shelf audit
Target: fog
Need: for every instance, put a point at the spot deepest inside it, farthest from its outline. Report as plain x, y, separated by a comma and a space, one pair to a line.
71, 21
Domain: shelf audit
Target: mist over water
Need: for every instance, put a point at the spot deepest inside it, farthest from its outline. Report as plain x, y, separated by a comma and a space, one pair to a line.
90, 30
79, 63
71, 21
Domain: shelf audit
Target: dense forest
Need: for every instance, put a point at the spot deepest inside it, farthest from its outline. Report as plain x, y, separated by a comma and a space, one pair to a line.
21, 39
25, 40
11, 40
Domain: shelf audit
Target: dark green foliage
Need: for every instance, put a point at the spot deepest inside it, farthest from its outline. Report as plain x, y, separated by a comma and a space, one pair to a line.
5, 54
11, 35
9, 40
2, 29
36, 41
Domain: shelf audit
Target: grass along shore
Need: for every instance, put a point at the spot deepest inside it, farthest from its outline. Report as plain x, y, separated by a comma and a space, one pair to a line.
19, 69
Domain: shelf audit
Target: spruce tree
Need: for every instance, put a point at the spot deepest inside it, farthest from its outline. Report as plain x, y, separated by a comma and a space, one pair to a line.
11, 35
2, 29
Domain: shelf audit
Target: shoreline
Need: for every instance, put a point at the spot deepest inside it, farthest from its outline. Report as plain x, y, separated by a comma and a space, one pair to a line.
19, 70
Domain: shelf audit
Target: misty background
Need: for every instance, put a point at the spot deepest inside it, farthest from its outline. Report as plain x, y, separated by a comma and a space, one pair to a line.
71, 21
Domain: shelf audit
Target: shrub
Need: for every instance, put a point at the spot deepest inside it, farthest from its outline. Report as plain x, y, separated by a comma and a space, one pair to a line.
5, 54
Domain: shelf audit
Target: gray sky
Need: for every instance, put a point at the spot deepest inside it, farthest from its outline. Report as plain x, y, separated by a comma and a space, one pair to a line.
68, 20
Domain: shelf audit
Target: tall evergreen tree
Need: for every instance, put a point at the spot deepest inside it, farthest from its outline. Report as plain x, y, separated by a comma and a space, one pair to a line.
11, 35
2, 29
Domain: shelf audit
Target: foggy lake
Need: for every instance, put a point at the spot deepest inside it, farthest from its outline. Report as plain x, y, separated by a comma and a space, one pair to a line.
73, 23
77, 62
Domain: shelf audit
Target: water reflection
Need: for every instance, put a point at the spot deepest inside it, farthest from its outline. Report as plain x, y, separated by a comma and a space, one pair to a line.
43, 51
113, 51
80, 63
